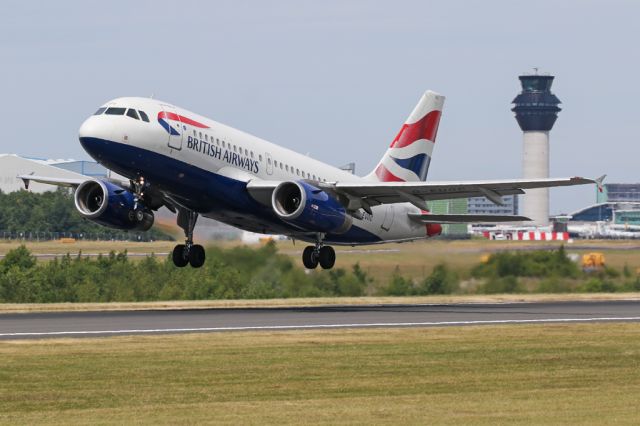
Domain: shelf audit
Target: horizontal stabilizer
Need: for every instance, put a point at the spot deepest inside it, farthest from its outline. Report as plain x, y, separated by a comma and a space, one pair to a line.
465, 218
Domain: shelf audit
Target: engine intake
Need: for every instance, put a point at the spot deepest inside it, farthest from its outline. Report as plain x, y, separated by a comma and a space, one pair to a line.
310, 208
111, 205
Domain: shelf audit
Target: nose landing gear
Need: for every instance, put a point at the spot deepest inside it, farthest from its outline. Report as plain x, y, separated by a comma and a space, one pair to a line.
188, 253
318, 254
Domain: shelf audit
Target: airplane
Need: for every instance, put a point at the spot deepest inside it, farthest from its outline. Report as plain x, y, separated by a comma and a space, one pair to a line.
196, 166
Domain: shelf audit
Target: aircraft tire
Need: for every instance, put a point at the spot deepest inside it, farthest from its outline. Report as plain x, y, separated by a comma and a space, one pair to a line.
178, 256
309, 258
327, 257
197, 256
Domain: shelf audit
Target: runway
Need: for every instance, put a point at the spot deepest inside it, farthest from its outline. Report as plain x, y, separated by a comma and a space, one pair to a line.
96, 324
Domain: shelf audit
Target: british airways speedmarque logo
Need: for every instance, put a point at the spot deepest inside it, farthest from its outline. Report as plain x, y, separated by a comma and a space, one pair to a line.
164, 117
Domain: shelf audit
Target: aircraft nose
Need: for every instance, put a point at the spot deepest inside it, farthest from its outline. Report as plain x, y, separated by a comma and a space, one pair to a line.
88, 129
91, 135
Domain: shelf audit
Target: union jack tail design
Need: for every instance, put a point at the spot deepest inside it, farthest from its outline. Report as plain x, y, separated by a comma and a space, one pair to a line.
409, 156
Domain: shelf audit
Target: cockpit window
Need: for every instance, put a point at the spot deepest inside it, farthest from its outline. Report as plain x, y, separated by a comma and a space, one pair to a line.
143, 115
115, 111
132, 113
100, 111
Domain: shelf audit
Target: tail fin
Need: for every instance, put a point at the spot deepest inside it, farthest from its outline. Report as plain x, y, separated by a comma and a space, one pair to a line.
409, 156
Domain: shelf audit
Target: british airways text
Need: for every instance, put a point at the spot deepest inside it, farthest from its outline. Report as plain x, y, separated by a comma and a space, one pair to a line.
222, 154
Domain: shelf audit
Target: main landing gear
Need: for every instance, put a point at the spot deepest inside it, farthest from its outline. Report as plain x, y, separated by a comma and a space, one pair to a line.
318, 254
188, 252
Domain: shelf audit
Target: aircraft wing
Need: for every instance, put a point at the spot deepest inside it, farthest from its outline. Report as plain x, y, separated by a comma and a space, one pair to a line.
417, 193
68, 182
357, 195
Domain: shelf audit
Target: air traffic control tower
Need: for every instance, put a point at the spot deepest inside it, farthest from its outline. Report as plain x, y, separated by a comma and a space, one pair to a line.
536, 110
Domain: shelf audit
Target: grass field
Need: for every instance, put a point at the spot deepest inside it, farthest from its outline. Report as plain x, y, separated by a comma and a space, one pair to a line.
551, 374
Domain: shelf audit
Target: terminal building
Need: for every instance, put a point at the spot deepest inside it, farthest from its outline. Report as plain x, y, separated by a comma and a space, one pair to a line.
619, 193
482, 205
617, 204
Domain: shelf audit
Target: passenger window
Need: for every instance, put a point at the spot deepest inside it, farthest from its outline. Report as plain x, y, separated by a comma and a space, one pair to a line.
100, 111
246, 152
195, 134
206, 137
298, 172
217, 141
115, 111
223, 145
281, 165
132, 113
251, 154
143, 115
269, 160
200, 135
234, 148
287, 167
260, 157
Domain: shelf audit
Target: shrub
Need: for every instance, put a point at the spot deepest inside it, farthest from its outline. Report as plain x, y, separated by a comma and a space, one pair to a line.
598, 285
441, 281
399, 285
500, 285
539, 263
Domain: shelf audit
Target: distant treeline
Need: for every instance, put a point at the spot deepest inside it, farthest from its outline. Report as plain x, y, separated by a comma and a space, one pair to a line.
258, 273
52, 214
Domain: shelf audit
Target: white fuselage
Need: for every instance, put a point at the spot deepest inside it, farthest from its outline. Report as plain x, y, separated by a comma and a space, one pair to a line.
206, 166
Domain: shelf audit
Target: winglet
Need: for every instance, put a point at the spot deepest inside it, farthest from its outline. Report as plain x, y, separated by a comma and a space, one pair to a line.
599, 182
26, 180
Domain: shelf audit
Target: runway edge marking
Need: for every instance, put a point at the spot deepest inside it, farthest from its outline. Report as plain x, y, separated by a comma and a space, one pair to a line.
315, 326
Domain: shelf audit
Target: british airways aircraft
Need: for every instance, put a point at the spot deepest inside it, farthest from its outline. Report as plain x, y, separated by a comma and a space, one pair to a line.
196, 166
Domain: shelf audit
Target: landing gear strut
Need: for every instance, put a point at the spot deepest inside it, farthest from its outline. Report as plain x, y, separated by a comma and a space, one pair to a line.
188, 252
318, 254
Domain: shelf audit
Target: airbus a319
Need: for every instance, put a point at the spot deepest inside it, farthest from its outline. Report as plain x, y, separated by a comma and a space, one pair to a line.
196, 166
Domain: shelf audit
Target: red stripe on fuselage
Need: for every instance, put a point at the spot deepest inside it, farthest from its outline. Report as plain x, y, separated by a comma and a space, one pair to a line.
425, 128
181, 118
385, 175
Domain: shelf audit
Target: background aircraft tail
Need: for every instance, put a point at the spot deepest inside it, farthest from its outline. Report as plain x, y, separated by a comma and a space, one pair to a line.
409, 156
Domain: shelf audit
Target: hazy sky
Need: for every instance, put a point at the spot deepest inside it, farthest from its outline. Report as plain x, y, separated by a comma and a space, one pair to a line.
336, 79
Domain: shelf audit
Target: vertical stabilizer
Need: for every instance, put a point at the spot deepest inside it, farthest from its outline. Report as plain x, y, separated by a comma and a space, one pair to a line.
409, 156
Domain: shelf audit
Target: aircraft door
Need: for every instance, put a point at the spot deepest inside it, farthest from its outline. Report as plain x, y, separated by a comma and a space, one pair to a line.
388, 218
170, 120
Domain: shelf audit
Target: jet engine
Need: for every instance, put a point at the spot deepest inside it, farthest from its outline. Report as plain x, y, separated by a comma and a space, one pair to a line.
111, 205
310, 208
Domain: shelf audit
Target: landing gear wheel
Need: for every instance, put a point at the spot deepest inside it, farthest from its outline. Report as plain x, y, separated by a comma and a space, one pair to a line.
327, 257
196, 256
310, 257
178, 256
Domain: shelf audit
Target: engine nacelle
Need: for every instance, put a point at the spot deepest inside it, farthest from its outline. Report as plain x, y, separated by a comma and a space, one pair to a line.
310, 208
111, 205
